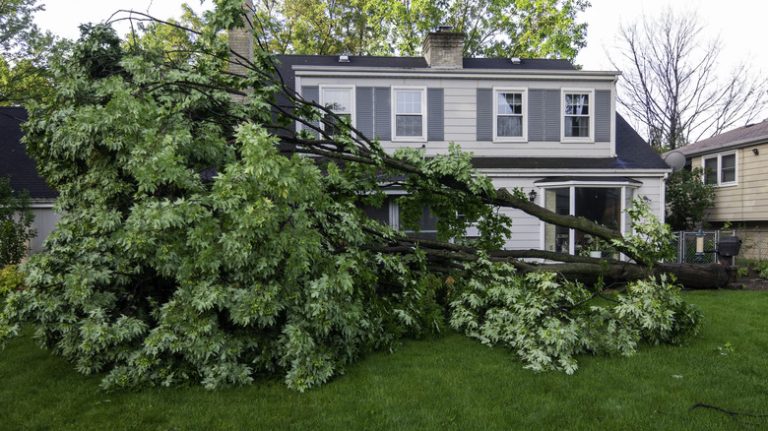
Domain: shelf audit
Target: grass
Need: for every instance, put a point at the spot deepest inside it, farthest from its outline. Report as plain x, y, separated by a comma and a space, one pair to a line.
451, 383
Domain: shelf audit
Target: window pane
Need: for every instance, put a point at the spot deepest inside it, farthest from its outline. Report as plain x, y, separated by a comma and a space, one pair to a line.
408, 101
710, 171
600, 205
510, 103
557, 238
331, 122
577, 127
728, 169
509, 126
577, 104
427, 227
338, 99
408, 125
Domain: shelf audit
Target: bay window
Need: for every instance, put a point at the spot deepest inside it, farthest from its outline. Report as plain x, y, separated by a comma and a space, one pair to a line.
602, 202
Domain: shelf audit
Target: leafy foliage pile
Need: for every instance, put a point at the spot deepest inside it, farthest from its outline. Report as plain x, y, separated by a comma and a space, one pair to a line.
15, 224
547, 322
192, 248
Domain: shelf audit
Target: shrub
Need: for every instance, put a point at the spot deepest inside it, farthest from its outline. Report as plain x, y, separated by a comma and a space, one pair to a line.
10, 280
15, 222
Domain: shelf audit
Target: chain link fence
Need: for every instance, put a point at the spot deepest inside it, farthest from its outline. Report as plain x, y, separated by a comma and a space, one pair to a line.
686, 247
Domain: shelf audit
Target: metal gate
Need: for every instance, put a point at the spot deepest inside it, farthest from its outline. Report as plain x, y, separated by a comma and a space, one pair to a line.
686, 247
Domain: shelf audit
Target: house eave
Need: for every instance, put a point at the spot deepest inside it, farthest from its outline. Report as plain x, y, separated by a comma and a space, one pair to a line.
376, 72
727, 147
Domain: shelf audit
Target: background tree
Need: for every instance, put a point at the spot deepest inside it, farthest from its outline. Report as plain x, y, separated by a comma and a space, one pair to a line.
197, 243
493, 28
670, 84
25, 50
688, 199
15, 224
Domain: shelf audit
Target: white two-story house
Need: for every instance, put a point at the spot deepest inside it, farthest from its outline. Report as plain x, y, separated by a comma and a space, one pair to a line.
538, 124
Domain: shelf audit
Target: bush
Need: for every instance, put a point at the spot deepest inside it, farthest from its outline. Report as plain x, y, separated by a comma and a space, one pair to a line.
15, 222
10, 280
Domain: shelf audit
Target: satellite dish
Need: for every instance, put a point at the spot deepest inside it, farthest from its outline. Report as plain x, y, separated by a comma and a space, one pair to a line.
675, 160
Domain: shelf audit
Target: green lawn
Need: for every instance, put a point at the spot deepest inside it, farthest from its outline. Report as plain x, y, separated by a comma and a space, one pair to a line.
446, 384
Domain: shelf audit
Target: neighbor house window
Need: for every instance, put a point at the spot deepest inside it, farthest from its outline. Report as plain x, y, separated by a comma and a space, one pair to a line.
341, 101
577, 115
720, 169
409, 113
509, 114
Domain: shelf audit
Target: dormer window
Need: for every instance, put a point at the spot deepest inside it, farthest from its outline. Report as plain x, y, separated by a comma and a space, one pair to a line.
578, 117
509, 115
409, 114
340, 100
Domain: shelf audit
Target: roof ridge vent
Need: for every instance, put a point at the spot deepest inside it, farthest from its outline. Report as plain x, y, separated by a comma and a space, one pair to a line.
516, 60
343, 58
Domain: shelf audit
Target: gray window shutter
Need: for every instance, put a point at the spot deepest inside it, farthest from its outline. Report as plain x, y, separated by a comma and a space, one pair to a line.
602, 116
536, 115
484, 114
364, 110
435, 115
311, 93
382, 113
552, 113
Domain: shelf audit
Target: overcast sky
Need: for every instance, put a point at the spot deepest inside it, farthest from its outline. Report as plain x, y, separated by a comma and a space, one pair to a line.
741, 24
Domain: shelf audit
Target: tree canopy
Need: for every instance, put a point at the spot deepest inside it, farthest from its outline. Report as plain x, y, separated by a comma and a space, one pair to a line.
199, 242
25, 49
493, 28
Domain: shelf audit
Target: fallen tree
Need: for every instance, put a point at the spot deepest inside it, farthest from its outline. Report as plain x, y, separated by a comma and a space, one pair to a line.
198, 241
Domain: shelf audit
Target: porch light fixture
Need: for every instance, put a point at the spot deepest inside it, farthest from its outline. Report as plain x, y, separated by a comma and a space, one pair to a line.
532, 195
755, 151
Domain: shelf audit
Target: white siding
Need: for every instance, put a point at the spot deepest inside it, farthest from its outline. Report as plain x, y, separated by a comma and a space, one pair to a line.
44, 223
460, 115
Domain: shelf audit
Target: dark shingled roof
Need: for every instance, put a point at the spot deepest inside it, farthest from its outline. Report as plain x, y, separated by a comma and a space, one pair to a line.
632, 152
421, 63
749, 134
14, 161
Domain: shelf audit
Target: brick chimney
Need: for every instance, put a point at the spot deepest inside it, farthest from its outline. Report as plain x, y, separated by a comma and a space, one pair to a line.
241, 41
444, 48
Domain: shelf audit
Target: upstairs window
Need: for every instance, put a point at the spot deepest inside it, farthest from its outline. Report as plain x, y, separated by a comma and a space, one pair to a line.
509, 114
340, 100
410, 114
720, 169
577, 116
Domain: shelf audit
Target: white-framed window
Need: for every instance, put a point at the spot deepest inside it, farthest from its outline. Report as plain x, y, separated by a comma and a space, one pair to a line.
720, 169
604, 203
409, 114
341, 100
578, 118
510, 115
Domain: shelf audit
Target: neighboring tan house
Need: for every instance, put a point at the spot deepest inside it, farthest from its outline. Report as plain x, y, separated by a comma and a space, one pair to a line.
538, 124
736, 163
16, 165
